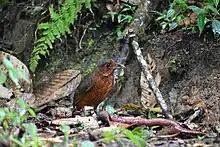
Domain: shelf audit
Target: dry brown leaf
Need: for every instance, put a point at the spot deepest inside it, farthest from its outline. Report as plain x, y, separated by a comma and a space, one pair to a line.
62, 84
25, 85
148, 98
158, 79
151, 63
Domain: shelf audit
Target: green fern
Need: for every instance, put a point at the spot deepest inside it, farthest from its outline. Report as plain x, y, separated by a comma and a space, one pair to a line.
57, 27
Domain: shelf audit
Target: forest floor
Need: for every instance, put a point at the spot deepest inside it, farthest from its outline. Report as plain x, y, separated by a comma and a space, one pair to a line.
189, 65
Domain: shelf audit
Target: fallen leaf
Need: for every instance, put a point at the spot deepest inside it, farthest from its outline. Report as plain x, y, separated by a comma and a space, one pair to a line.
60, 85
26, 85
158, 79
148, 98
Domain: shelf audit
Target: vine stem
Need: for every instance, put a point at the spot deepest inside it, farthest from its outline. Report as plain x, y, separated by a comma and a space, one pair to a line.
150, 79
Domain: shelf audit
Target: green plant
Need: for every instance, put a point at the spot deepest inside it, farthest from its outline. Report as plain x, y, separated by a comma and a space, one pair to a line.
123, 17
138, 135
183, 14
111, 135
15, 119
200, 137
14, 73
65, 130
170, 19
55, 28
217, 128
208, 13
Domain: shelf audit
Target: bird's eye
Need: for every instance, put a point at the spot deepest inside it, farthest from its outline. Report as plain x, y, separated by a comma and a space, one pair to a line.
108, 65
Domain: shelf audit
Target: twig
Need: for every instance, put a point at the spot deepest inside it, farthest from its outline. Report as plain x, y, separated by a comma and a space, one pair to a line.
81, 39
150, 79
175, 127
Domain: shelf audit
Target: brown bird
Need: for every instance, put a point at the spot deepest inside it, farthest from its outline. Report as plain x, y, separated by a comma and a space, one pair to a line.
95, 88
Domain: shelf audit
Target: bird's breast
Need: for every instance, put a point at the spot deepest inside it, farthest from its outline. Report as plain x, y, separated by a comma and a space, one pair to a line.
99, 91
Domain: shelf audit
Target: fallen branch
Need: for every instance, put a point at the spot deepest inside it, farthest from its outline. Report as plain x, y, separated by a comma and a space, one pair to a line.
150, 79
175, 127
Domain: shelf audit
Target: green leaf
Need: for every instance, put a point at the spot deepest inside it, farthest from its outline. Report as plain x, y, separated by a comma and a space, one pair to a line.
31, 129
170, 13
88, 3
78, 5
2, 114
119, 18
134, 138
141, 131
33, 64
65, 128
112, 14
110, 135
32, 113
51, 37
200, 137
2, 78
7, 63
21, 74
21, 103
87, 143
43, 25
49, 43
124, 18
216, 26
211, 7
172, 25
42, 39
217, 129
139, 141
163, 16
13, 76
16, 141
195, 9
201, 21
125, 9
110, 109
55, 30
53, 14
91, 42
216, 2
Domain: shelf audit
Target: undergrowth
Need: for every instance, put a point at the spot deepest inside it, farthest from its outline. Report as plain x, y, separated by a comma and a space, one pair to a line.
55, 28
122, 18
186, 14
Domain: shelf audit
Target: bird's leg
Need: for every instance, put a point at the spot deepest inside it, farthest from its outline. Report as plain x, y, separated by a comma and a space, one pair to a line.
83, 112
96, 111
100, 108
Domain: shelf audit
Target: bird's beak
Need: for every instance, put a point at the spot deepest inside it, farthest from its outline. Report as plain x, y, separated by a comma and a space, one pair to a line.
119, 65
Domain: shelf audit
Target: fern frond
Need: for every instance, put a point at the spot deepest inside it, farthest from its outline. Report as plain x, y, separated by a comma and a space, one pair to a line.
55, 28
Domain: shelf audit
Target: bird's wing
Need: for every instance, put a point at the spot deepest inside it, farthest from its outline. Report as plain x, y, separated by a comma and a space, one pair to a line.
84, 87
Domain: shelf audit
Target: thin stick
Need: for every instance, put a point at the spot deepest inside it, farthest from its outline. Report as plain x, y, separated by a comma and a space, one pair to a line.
150, 79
